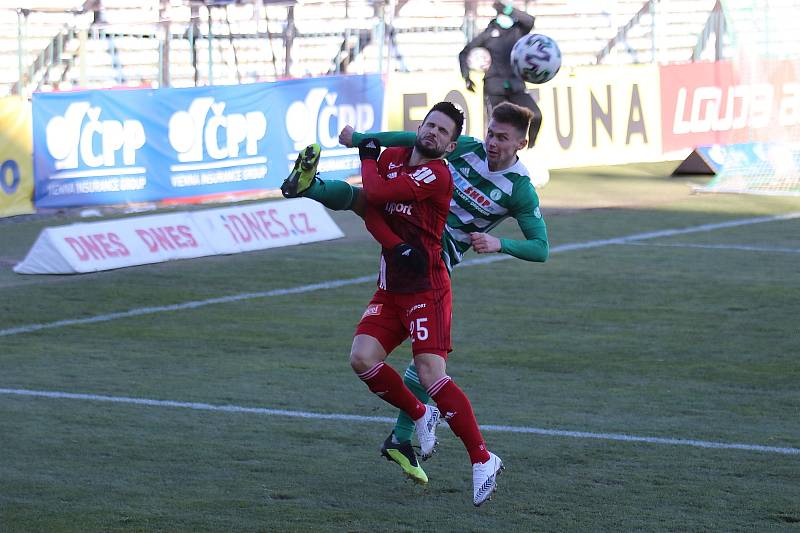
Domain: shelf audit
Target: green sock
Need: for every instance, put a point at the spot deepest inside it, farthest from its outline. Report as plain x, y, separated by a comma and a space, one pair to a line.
404, 428
337, 195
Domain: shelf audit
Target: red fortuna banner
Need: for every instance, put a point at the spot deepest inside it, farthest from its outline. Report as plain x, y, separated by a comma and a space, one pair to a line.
726, 102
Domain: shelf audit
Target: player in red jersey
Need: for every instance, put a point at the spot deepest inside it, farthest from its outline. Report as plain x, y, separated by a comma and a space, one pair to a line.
408, 192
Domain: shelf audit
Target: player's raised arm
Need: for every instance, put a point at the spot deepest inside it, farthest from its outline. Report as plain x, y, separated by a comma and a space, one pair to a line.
379, 190
523, 19
404, 253
349, 137
464, 143
477, 42
379, 229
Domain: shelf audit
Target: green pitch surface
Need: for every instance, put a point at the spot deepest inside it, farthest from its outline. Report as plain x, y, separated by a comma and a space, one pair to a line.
640, 384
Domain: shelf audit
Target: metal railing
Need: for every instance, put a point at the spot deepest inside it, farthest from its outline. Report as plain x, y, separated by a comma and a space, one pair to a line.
52, 55
230, 47
647, 8
715, 25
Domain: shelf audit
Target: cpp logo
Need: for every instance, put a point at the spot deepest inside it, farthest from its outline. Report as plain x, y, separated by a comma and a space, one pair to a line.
221, 135
312, 119
80, 132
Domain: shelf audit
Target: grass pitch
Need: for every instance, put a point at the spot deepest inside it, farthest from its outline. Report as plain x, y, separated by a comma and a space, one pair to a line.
688, 336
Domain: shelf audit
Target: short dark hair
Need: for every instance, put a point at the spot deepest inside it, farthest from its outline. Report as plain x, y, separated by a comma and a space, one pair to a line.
516, 116
451, 111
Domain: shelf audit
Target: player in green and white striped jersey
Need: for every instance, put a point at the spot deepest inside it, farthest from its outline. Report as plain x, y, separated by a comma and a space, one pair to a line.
491, 184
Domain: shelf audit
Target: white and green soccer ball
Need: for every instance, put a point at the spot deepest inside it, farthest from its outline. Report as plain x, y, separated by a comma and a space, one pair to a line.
535, 58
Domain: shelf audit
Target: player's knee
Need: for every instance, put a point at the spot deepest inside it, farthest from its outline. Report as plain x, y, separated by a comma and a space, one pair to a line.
429, 371
362, 360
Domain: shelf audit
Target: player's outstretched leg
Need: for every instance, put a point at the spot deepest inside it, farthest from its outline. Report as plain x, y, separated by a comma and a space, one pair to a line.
403, 454
303, 173
336, 195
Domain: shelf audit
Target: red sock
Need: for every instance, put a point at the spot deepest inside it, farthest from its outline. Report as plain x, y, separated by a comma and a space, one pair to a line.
385, 382
457, 410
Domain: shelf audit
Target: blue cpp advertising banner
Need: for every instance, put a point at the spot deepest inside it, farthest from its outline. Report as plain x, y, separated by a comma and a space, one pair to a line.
122, 146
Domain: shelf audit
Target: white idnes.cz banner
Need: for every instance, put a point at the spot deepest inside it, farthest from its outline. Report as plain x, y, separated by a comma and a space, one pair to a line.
89, 247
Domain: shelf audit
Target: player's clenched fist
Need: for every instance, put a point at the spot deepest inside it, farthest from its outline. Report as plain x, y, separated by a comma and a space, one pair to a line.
483, 243
346, 136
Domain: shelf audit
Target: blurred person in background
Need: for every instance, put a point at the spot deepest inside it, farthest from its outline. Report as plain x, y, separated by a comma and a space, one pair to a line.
500, 84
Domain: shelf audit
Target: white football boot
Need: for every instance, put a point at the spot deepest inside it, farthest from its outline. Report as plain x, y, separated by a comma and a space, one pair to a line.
484, 479
426, 431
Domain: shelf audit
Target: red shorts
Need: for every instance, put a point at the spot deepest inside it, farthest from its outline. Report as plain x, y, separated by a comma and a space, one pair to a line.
392, 317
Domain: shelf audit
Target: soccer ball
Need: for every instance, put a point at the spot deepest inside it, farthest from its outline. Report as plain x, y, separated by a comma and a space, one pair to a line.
535, 58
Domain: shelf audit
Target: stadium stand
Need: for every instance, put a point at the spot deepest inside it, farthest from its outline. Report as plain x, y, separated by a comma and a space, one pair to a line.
64, 44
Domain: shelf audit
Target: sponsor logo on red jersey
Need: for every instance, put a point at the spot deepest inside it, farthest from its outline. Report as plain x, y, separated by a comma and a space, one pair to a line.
372, 310
415, 307
398, 207
424, 175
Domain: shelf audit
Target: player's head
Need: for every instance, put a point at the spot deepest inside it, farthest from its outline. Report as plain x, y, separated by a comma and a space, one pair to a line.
439, 130
506, 134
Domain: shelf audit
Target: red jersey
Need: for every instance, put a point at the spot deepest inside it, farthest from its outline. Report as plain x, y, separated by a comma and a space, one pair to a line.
414, 202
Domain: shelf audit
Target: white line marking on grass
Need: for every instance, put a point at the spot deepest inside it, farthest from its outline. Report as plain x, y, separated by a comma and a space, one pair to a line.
386, 420
636, 237
187, 305
742, 247
363, 279
650, 440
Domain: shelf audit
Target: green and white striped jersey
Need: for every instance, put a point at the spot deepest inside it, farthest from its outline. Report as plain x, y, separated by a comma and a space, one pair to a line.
482, 199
